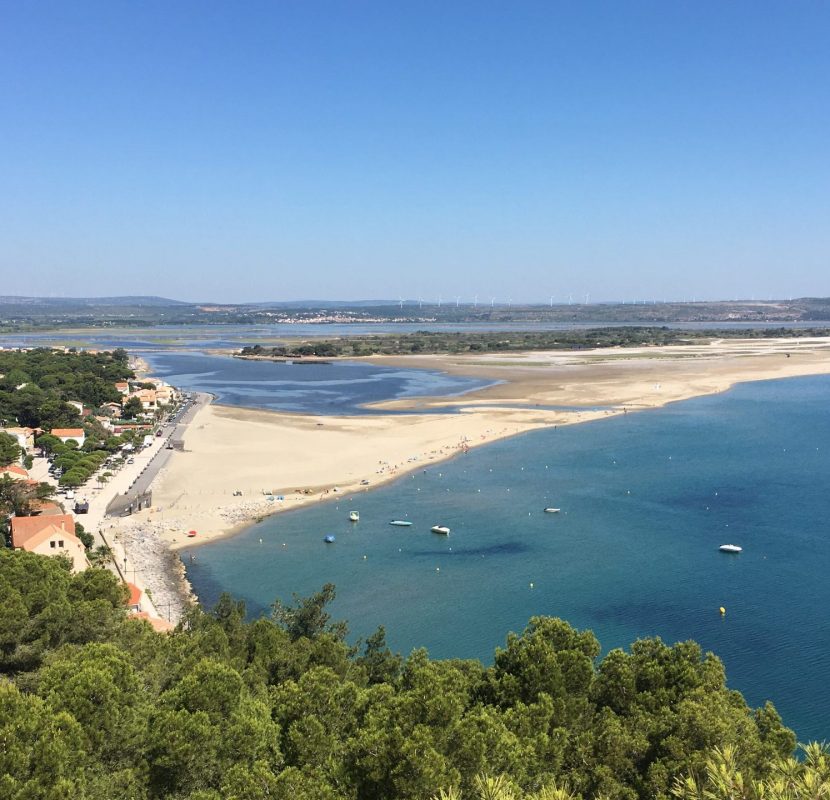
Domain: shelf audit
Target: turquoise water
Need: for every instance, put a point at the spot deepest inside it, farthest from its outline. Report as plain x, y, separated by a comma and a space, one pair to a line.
646, 500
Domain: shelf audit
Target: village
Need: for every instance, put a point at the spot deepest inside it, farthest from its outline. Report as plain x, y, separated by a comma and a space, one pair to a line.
61, 489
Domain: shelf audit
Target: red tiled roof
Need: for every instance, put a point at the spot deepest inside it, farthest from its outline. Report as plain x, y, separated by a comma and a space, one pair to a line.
135, 594
70, 432
47, 533
15, 469
24, 528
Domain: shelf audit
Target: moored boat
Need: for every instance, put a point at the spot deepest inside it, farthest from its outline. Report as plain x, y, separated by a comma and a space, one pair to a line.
328, 539
552, 510
354, 516
401, 523
442, 529
730, 548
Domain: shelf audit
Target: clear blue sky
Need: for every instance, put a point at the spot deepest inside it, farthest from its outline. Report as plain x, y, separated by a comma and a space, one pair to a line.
281, 150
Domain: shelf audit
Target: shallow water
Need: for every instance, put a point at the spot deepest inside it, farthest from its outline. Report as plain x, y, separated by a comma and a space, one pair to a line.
646, 500
341, 387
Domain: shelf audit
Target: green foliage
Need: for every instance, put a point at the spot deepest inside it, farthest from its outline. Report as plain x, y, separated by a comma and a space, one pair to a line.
101, 706
423, 342
307, 617
132, 408
51, 378
19, 497
9, 450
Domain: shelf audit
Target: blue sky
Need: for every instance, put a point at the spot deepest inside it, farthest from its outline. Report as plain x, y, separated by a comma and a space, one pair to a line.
282, 150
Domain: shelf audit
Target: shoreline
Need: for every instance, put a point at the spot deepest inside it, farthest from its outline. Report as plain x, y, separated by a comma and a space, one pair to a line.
304, 459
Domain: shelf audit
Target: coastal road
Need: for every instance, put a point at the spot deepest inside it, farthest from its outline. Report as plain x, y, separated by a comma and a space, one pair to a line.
159, 454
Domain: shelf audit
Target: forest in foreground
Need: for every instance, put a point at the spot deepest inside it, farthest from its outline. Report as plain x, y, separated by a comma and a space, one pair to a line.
95, 706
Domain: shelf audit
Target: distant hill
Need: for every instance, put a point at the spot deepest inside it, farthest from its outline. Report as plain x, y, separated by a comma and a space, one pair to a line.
14, 300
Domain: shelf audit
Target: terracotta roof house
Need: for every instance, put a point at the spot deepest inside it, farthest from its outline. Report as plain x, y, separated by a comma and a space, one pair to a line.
147, 397
123, 387
14, 472
65, 434
49, 536
136, 596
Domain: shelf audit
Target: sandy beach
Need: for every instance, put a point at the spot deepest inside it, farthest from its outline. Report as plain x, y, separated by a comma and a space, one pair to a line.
241, 464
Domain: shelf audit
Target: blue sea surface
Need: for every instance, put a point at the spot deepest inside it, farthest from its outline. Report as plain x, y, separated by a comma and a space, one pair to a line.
341, 387
646, 499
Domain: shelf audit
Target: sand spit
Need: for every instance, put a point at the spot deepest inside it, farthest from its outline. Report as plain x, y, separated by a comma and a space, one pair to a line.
240, 465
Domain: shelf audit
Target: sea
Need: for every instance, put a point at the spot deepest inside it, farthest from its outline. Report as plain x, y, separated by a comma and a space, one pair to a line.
646, 500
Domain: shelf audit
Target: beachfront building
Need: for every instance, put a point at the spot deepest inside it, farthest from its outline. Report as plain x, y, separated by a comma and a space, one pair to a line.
136, 597
138, 605
67, 434
52, 535
165, 395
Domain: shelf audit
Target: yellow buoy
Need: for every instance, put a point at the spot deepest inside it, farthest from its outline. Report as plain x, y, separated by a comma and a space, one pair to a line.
722, 610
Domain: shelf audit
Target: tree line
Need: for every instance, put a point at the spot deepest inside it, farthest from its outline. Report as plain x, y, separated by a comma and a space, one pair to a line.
441, 342
95, 705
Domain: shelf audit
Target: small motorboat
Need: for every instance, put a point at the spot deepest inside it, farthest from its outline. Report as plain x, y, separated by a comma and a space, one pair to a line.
552, 510
730, 548
354, 516
401, 523
328, 539
442, 529
191, 534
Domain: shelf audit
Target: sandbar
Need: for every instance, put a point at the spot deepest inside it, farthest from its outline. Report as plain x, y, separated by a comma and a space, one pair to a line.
239, 464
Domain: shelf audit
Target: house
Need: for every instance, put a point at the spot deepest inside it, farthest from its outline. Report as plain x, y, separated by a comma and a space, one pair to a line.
45, 508
165, 395
136, 597
51, 535
123, 387
65, 434
25, 437
112, 409
14, 472
147, 397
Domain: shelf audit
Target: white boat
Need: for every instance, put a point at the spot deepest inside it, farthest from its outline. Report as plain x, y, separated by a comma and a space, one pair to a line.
551, 510
442, 529
354, 516
730, 548
401, 523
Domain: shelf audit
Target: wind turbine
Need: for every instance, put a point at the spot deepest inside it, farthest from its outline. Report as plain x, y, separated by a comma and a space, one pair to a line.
492, 302
475, 302
400, 300
587, 297
551, 301
439, 301
457, 301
